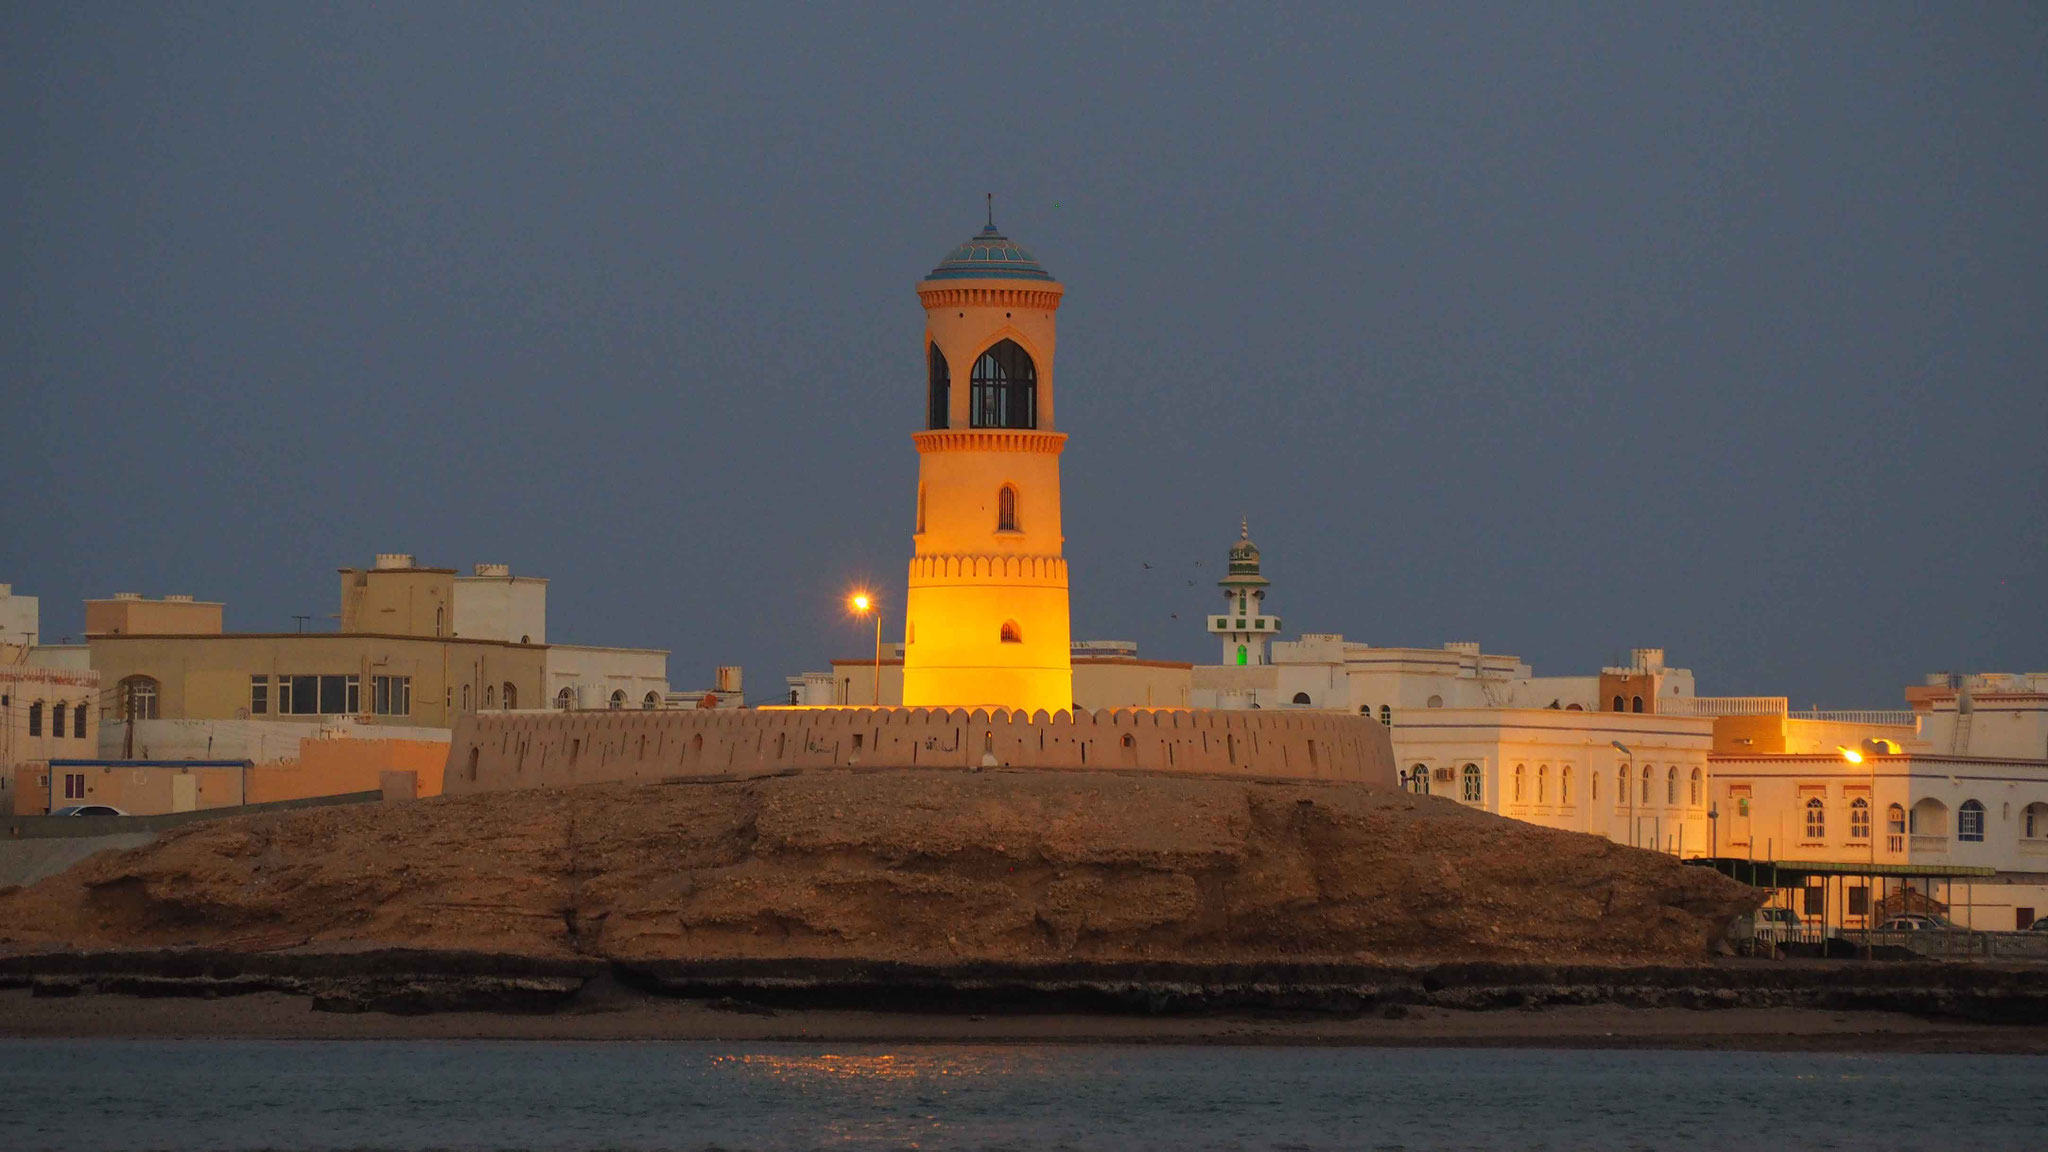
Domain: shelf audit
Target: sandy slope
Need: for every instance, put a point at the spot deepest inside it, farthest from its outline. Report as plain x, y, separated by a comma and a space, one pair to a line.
908, 865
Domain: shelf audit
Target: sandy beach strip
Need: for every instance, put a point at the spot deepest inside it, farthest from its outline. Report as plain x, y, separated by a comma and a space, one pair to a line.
642, 1018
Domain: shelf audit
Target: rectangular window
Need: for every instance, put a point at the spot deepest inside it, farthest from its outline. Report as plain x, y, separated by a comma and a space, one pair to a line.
259, 695
304, 695
1859, 900
74, 785
1240, 625
1816, 901
391, 695
1259, 625
352, 694
333, 700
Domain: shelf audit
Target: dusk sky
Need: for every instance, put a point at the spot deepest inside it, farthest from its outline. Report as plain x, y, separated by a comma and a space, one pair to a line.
1563, 328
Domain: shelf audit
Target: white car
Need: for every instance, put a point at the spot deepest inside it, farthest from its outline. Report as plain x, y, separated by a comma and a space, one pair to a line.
89, 810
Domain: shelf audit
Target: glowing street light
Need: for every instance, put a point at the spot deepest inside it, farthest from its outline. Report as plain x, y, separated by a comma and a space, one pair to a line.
861, 603
1850, 754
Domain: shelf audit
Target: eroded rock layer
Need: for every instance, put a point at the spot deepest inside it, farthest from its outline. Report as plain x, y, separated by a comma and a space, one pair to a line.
917, 866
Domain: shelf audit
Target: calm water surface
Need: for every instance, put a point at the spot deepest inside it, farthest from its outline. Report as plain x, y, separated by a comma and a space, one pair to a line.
471, 1095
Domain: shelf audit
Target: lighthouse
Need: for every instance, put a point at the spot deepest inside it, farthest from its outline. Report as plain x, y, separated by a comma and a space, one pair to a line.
986, 622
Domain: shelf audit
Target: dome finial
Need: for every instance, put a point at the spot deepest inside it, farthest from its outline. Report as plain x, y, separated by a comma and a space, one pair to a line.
991, 211
1244, 528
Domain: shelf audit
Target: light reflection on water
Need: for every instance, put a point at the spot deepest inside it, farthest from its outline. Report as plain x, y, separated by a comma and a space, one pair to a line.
479, 1095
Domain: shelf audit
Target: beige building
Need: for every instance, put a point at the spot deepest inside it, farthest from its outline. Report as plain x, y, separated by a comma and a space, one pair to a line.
418, 646
45, 713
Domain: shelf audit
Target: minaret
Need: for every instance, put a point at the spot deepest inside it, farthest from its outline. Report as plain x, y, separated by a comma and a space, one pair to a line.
1244, 626
986, 616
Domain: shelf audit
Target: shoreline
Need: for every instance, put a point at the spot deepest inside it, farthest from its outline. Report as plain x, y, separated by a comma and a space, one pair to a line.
629, 1017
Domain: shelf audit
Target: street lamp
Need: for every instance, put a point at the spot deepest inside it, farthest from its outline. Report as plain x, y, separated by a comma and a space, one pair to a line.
1628, 787
862, 604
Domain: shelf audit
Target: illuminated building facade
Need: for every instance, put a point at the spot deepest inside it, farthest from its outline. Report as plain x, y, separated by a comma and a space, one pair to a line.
986, 621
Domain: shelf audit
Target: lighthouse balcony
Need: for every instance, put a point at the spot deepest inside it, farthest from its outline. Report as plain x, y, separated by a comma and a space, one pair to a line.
990, 440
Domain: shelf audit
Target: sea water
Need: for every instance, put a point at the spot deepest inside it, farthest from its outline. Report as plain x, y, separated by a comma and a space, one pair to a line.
486, 1095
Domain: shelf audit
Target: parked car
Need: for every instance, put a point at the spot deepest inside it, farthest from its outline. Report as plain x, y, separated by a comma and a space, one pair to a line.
2040, 925
89, 810
1777, 924
1919, 922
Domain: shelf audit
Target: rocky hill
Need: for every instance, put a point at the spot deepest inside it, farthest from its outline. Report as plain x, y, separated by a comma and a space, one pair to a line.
920, 866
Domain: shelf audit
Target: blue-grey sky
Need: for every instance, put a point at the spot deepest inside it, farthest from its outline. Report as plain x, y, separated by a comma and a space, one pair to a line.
1562, 327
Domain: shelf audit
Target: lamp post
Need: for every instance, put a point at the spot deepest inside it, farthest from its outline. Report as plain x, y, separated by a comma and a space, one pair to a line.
1628, 787
862, 604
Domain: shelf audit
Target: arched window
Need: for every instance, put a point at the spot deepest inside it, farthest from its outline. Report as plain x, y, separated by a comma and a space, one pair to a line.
1671, 786
1637, 703
78, 722
138, 698
1473, 792
650, 702
1564, 784
1618, 705
511, 696
618, 700
1646, 783
57, 720
1386, 715
1816, 819
1004, 389
1697, 785
1243, 654
1859, 819
1929, 817
566, 698
941, 391
1436, 701
2034, 821
1006, 509
1970, 822
1301, 698
465, 697
35, 718
490, 697
1519, 773
1418, 779
1593, 778
1542, 783
920, 509
1895, 820
1011, 633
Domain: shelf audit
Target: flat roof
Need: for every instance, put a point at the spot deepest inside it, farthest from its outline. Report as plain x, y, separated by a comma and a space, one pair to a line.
307, 636
1736, 866
151, 763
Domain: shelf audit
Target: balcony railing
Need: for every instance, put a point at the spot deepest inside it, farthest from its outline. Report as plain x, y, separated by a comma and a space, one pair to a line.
1923, 843
1886, 718
1721, 705
1895, 843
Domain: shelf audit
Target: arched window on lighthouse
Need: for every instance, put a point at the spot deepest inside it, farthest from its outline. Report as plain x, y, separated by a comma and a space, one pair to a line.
1011, 633
1243, 654
1006, 509
941, 390
1005, 389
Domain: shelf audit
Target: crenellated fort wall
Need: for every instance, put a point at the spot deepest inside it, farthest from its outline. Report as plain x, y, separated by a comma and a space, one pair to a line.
495, 751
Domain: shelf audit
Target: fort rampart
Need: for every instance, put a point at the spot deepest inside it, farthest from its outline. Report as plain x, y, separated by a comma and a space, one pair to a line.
496, 751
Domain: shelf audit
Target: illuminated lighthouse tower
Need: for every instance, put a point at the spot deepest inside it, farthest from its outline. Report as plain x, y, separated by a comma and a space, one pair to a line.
986, 616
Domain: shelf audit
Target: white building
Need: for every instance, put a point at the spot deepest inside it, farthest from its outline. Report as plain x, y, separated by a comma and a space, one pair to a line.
20, 618
494, 604
2001, 714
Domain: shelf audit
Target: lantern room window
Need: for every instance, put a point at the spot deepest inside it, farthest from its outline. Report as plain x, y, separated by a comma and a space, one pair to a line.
1005, 389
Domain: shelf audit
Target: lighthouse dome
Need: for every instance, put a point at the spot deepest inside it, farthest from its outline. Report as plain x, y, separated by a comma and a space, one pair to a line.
989, 255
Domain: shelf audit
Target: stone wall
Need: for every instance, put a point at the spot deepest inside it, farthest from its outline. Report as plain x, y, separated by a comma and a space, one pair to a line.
498, 751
